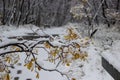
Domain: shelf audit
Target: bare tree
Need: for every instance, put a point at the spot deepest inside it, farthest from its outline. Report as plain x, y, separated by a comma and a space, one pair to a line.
3, 18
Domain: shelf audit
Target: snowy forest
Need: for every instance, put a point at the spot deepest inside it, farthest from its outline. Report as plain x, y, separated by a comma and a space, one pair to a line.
57, 13
59, 39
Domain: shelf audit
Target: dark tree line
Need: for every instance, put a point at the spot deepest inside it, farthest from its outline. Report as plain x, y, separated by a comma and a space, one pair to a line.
53, 12
38, 12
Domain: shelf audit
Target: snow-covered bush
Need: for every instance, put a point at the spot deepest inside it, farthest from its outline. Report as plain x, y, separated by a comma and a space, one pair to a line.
82, 11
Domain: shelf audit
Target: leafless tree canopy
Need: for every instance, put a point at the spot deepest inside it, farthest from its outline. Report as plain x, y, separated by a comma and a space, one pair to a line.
54, 12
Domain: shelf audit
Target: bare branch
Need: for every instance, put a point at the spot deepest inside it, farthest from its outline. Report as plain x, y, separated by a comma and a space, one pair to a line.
8, 52
50, 70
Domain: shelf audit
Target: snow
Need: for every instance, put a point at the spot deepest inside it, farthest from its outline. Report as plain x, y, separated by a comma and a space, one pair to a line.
112, 55
108, 41
91, 69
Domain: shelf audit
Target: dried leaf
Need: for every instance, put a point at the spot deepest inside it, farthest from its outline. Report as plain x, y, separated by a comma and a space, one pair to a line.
73, 79
71, 35
76, 56
7, 77
47, 45
37, 75
17, 49
67, 64
83, 56
33, 59
39, 68
29, 65
54, 52
8, 59
67, 37
77, 45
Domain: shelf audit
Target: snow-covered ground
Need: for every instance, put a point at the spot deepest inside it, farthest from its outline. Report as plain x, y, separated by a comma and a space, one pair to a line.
91, 69
108, 40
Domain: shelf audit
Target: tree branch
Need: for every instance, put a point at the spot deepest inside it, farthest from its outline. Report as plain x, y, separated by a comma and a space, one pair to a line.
50, 70
8, 52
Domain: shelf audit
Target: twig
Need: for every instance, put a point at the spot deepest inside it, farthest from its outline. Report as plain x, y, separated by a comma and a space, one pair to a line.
50, 70
8, 52
97, 11
58, 63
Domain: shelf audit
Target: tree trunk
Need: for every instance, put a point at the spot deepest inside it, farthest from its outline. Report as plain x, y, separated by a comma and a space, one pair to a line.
3, 18
118, 5
104, 6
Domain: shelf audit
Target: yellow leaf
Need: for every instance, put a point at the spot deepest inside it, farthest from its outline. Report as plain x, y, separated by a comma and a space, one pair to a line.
17, 49
33, 59
37, 75
7, 77
67, 37
77, 45
71, 35
47, 45
25, 64
8, 59
76, 56
73, 79
83, 56
74, 36
54, 52
67, 64
29, 65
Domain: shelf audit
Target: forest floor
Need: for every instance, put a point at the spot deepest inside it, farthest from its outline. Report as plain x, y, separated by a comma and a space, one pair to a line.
106, 43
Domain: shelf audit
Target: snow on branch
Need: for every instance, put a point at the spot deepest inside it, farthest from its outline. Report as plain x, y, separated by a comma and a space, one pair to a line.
61, 51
